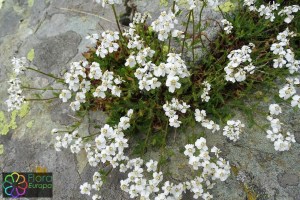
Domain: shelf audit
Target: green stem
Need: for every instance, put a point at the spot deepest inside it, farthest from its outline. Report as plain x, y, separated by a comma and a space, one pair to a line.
175, 134
222, 12
200, 16
200, 25
116, 17
147, 138
49, 75
186, 29
166, 134
32, 88
41, 99
193, 43
91, 135
170, 35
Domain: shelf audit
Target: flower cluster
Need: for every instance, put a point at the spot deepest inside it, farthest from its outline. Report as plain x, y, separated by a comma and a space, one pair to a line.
233, 129
288, 89
227, 26
196, 3
136, 184
93, 38
165, 25
19, 64
76, 81
235, 71
97, 184
267, 11
15, 98
286, 57
108, 147
170, 111
213, 3
79, 80
200, 116
281, 142
192, 4
250, 4
108, 82
135, 41
207, 87
108, 44
199, 157
148, 73
110, 2
65, 141
288, 12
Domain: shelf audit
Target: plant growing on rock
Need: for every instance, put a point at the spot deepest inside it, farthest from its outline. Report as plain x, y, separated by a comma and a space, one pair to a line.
149, 88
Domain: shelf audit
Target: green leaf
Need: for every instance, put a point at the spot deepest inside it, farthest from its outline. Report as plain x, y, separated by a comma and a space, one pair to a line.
1, 149
30, 55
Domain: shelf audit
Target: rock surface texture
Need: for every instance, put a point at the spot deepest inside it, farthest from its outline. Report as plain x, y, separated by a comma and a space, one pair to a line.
55, 31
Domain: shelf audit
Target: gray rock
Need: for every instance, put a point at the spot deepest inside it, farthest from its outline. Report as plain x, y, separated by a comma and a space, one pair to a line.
53, 53
297, 136
54, 29
9, 22
288, 179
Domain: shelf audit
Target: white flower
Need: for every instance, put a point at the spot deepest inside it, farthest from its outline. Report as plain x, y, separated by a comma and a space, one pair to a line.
151, 166
287, 91
288, 11
19, 64
174, 121
107, 131
200, 115
275, 109
99, 92
110, 2
281, 145
227, 26
76, 147
233, 129
271, 135
93, 38
234, 69
295, 101
85, 189
75, 105
195, 162
116, 91
95, 71
15, 99
276, 125
221, 174
130, 61
96, 197
213, 3
207, 87
164, 24
189, 150
172, 83
267, 11
100, 142
201, 144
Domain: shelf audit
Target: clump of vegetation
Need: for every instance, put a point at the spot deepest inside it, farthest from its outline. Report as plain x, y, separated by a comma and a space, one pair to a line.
148, 88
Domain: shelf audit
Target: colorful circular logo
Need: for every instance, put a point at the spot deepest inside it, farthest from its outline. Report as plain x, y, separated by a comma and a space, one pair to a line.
15, 185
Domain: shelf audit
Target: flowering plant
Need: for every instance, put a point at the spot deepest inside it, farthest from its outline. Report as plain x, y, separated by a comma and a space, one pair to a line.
147, 86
